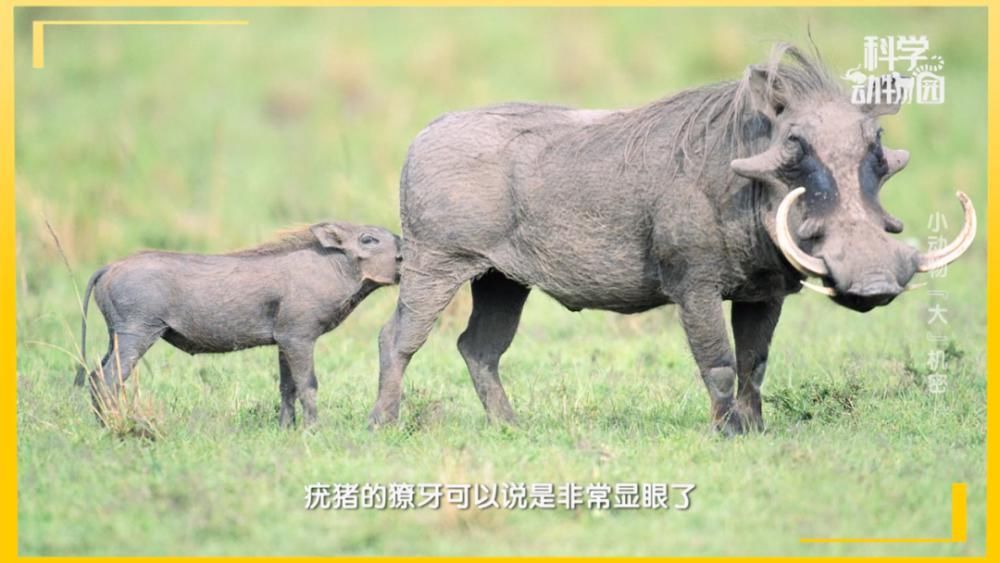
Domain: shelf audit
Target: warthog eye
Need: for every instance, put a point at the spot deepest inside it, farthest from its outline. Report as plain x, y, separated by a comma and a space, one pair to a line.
794, 148
874, 167
881, 166
368, 239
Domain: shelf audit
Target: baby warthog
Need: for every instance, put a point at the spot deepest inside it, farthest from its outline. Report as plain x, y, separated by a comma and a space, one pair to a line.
286, 293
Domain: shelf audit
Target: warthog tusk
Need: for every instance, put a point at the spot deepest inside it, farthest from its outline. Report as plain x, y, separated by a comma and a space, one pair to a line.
941, 258
828, 291
801, 261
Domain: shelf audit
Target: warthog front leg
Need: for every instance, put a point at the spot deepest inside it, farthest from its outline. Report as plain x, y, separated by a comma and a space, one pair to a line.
298, 354
704, 323
287, 387
753, 326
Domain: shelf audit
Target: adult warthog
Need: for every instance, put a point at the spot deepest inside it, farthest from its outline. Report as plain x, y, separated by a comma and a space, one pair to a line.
738, 190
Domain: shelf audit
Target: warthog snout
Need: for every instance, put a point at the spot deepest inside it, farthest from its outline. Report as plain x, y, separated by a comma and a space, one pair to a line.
869, 293
860, 267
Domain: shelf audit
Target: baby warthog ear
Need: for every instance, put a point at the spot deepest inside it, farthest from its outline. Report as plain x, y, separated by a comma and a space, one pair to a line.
329, 235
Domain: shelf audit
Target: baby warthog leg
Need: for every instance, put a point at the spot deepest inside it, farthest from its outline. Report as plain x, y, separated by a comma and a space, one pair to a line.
298, 356
125, 350
287, 387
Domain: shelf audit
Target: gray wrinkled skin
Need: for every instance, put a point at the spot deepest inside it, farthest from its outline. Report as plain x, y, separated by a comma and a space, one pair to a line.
286, 293
626, 210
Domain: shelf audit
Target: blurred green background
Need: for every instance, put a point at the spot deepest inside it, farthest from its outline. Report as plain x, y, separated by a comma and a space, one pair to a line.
209, 139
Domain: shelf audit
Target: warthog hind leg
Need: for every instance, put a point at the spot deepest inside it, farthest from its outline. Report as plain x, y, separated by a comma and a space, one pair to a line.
424, 291
125, 348
497, 302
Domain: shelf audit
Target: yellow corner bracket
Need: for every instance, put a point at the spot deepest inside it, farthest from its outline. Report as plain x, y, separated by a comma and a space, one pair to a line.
38, 30
959, 524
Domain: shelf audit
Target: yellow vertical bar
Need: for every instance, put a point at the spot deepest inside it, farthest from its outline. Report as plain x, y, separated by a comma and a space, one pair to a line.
959, 512
38, 44
992, 298
8, 323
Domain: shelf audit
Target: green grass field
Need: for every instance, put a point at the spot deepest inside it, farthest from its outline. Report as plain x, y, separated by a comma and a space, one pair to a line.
209, 139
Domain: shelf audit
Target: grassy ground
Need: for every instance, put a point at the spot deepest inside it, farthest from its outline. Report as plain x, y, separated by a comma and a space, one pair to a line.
206, 139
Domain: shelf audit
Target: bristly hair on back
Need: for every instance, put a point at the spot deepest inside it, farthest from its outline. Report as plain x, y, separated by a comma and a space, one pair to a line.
287, 240
721, 119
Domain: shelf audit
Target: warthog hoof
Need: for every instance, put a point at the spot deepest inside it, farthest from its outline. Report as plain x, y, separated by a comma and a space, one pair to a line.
380, 417
737, 421
502, 417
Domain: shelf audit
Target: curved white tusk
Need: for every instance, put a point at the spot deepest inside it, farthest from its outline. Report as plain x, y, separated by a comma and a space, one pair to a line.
828, 291
941, 258
801, 261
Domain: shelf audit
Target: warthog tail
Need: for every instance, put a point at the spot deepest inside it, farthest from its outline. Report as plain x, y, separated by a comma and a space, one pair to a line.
81, 372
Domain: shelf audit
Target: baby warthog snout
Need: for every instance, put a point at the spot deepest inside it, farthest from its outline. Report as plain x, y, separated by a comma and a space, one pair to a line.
287, 293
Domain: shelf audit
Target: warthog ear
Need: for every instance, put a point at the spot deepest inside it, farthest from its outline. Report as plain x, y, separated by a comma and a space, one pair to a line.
329, 235
766, 91
875, 110
887, 108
